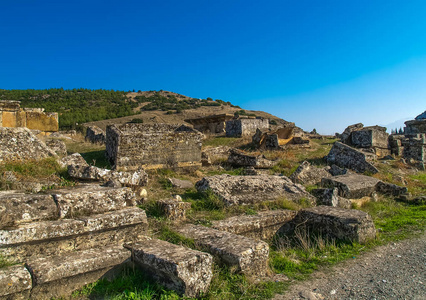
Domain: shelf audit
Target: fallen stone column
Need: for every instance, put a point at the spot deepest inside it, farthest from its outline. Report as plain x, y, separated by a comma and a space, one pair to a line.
184, 270
249, 256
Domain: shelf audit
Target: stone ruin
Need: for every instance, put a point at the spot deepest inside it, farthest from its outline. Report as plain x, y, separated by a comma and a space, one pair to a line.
132, 146
214, 124
245, 127
279, 138
95, 135
12, 115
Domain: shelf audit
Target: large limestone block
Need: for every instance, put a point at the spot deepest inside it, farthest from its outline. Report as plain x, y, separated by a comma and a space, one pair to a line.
17, 208
173, 209
15, 282
240, 159
263, 225
58, 275
38, 231
73, 159
308, 174
352, 186
92, 199
347, 157
345, 224
188, 272
55, 237
249, 256
235, 190
21, 144
330, 197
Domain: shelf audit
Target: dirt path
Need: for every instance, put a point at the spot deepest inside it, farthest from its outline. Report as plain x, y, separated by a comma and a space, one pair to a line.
394, 271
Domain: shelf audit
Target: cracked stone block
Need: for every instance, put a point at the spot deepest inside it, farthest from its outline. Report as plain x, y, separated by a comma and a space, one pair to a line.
263, 225
238, 190
352, 186
390, 189
330, 197
308, 174
187, 271
91, 199
345, 224
174, 210
15, 282
18, 208
345, 156
73, 159
247, 255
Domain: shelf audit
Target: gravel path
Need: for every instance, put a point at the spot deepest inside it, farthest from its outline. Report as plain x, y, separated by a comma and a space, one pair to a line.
393, 271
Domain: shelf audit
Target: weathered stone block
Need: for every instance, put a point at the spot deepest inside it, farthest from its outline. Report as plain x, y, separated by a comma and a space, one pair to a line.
91, 199
131, 146
73, 159
330, 197
308, 174
181, 184
56, 276
17, 208
345, 224
263, 225
372, 136
247, 255
174, 210
240, 159
57, 146
351, 185
348, 157
15, 282
235, 190
188, 272
245, 127
390, 189
95, 135
21, 144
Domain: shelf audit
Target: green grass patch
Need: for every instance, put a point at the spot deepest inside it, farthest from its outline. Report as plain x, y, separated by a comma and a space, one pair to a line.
37, 169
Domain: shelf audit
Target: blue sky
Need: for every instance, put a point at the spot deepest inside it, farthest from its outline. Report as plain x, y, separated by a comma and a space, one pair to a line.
321, 64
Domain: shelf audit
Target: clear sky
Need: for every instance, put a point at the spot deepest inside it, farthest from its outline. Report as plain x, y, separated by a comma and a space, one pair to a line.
322, 64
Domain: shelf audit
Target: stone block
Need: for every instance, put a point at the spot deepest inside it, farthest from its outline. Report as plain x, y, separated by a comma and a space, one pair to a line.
131, 146
188, 272
344, 224
15, 282
308, 174
245, 127
351, 186
92, 199
247, 255
390, 189
263, 225
330, 197
95, 135
73, 159
238, 158
347, 157
21, 144
174, 210
57, 146
17, 208
59, 275
372, 136
181, 184
237, 190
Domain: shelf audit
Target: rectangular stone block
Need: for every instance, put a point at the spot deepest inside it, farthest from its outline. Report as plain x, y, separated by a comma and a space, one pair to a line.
351, 186
174, 210
247, 255
56, 276
17, 208
15, 282
92, 199
263, 225
186, 271
345, 224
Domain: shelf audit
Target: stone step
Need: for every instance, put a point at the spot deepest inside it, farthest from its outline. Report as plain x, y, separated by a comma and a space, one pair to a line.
247, 255
54, 237
184, 270
59, 275
91, 199
344, 224
263, 225
18, 208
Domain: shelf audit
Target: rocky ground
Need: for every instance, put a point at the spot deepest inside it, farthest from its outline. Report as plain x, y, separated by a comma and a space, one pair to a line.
393, 271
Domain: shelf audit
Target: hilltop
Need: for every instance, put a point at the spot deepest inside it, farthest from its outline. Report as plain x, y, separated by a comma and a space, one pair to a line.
102, 107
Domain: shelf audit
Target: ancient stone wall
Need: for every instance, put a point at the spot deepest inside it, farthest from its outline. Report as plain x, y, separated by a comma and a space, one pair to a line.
415, 147
131, 146
12, 115
245, 127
